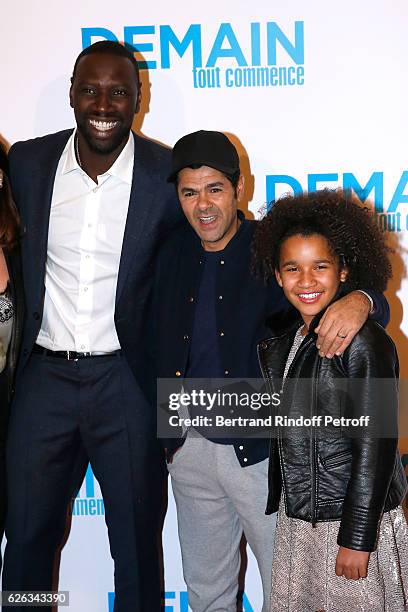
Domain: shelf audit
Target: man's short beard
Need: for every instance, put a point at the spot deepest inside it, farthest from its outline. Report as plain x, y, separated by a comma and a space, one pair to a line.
102, 146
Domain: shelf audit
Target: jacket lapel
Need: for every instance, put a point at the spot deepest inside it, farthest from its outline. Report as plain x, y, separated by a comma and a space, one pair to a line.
141, 200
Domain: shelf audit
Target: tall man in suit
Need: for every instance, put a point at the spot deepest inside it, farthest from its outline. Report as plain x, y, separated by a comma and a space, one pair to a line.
94, 203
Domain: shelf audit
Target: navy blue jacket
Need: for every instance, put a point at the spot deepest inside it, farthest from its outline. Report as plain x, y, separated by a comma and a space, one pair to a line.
153, 212
241, 314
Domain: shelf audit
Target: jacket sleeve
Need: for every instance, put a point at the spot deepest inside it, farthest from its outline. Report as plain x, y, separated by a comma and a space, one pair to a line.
381, 312
371, 365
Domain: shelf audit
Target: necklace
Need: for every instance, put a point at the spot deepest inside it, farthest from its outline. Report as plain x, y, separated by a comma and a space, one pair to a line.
77, 151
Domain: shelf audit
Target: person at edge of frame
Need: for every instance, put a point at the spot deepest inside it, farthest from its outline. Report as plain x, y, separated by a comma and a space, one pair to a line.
209, 314
341, 539
95, 205
11, 315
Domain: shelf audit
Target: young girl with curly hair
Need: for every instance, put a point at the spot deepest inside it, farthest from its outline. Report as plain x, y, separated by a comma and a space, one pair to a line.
341, 543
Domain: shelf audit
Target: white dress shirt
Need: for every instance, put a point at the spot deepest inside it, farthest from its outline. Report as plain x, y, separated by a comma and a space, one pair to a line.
87, 223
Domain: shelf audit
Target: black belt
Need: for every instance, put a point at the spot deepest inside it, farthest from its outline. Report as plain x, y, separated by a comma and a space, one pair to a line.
72, 355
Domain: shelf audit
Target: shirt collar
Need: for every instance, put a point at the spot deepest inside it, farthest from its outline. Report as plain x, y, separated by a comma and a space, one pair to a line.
122, 168
70, 162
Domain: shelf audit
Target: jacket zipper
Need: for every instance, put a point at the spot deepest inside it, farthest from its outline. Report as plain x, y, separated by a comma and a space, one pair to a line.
313, 475
269, 386
268, 382
267, 378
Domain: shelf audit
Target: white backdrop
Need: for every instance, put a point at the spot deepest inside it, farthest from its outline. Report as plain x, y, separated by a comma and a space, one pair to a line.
342, 119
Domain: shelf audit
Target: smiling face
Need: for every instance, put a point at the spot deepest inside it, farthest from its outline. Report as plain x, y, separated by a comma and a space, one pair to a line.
209, 202
309, 274
105, 98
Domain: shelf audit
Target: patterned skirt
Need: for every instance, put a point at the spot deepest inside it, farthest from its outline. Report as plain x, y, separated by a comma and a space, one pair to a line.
303, 576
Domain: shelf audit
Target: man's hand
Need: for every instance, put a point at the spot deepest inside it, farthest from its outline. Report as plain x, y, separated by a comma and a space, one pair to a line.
352, 564
340, 323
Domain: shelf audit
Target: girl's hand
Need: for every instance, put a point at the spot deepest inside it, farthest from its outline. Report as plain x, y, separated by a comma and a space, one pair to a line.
352, 563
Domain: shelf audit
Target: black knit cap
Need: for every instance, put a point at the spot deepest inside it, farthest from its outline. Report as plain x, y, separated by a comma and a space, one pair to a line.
204, 148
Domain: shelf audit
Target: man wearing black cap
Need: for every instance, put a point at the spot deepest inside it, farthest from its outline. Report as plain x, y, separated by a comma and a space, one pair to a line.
210, 313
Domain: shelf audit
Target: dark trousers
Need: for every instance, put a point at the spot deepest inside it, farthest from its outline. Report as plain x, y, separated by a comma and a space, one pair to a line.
64, 414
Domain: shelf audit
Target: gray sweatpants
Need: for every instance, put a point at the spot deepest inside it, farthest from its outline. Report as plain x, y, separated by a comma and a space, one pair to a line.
216, 500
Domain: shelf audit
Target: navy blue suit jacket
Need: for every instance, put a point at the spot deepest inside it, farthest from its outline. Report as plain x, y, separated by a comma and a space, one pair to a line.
153, 212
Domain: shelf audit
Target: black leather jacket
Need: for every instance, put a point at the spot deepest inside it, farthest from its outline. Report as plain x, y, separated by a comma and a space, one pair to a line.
327, 476
13, 261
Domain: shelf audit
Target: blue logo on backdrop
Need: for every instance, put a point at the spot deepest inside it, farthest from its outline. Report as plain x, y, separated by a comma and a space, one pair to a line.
388, 215
264, 55
177, 601
85, 503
